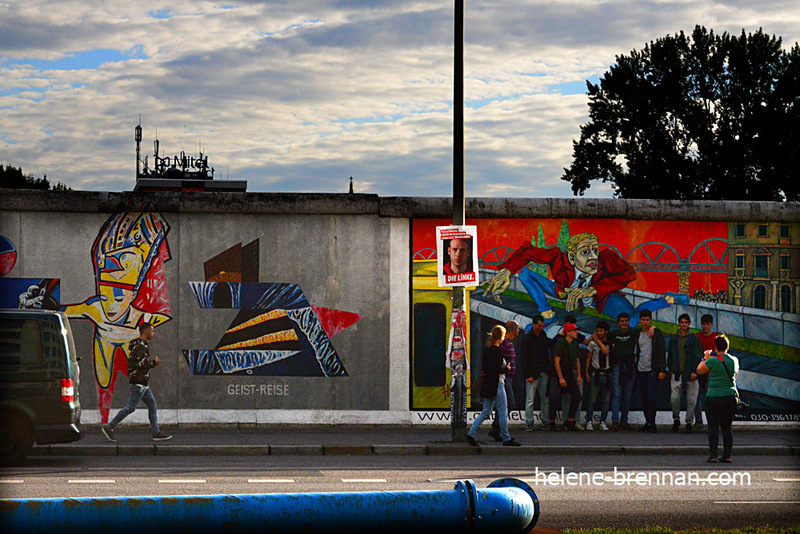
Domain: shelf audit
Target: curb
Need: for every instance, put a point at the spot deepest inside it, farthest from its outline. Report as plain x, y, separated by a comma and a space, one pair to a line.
434, 449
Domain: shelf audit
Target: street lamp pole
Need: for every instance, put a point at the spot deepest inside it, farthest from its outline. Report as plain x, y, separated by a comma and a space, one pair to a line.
458, 390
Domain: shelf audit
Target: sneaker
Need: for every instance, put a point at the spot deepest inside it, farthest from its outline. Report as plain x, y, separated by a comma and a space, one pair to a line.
552, 427
726, 460
589, 426
108, 433
711, 460
653, 429
529, 428
469, 439
676, 426
688, 428
160, 436
580, 427
511, 443
495, 434
615, 427
697, 426
570, 425
603, 426
644, 428
625, 426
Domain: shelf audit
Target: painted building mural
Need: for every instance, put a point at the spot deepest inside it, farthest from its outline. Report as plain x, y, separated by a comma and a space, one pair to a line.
276, 332
128, 257
231, 338
742, 274
261, 302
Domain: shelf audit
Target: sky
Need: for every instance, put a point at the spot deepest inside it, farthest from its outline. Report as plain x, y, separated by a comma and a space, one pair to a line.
298, 96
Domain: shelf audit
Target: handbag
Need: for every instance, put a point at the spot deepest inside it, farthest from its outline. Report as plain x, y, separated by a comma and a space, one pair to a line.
742, 407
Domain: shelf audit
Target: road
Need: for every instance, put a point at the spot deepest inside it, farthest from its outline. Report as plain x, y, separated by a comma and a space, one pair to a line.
678, 492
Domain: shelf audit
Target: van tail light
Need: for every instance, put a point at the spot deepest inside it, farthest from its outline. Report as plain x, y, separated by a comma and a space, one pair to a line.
67, 390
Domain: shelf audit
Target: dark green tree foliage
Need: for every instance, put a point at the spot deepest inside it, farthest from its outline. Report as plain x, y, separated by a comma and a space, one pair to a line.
700, 117
12, 178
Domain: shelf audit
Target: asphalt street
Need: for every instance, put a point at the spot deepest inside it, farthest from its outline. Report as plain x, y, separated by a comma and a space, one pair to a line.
575, 490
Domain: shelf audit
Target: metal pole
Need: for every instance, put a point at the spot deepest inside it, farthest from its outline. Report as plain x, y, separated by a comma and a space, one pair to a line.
458, 390
458, 117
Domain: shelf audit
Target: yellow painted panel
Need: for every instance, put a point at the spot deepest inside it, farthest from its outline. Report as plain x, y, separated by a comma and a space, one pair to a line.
426, 290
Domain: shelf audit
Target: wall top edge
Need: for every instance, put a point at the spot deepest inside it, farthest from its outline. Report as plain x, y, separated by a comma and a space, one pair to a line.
22, 200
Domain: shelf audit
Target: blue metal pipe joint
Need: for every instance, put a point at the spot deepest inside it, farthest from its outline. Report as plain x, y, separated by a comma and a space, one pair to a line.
506, 505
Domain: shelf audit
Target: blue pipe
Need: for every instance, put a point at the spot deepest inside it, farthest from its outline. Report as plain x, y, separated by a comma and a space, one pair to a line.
507, 505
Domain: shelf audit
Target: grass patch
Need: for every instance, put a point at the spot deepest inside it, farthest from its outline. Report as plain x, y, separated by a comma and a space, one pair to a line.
664, 530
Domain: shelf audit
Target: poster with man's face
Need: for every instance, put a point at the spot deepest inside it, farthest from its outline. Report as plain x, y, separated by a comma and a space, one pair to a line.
457, 255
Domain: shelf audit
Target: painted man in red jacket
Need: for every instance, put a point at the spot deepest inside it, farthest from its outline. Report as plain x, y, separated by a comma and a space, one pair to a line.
584, 275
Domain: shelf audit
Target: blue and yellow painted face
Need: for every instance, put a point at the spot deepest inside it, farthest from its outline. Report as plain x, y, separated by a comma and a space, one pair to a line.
124, 254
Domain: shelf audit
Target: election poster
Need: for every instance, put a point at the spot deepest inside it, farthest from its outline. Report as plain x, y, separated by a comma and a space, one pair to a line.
458, 255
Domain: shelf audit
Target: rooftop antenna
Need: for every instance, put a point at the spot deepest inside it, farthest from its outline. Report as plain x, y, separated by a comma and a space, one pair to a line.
138, 137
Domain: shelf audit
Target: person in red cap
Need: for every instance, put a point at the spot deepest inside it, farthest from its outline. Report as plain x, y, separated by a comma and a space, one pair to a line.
568, 372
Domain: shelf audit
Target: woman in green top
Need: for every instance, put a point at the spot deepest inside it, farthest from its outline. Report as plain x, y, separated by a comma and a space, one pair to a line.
720, 367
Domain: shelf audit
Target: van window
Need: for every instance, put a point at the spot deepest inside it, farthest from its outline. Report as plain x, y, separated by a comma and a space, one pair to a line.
20, 342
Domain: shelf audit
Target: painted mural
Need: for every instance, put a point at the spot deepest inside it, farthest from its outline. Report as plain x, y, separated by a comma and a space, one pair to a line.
740, 274
128, 257
276, 331
8, 256
25, 293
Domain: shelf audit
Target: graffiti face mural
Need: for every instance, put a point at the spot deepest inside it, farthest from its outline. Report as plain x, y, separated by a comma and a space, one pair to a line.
738, 274
128, 257
277, 332
123, 254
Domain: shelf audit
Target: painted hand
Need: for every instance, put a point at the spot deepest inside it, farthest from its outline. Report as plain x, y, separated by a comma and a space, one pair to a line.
575, 294
497, 284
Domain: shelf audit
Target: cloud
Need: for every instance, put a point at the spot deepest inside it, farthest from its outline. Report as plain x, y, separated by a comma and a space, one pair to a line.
299, 96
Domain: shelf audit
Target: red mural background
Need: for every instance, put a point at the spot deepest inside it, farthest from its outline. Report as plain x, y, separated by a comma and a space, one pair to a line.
625, 235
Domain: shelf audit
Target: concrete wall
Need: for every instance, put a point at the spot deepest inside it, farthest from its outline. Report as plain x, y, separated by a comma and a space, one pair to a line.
338, 249
346, 252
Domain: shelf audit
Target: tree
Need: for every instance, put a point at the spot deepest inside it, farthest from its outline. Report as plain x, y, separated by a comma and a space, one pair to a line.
12, 178
700, 117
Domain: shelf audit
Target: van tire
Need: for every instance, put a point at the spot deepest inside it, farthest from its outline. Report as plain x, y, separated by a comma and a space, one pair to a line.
16, 440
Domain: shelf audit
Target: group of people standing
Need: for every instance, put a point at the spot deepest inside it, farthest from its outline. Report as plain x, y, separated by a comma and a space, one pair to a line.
572, 369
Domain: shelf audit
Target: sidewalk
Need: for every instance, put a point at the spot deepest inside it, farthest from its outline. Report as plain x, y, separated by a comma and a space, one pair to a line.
249, 440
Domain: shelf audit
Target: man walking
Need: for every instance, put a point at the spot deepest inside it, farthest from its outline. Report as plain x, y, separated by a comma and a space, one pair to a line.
535, 357
139, 365
510, 357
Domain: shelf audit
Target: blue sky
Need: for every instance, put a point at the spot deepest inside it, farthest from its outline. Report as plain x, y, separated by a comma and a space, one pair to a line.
298, 96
